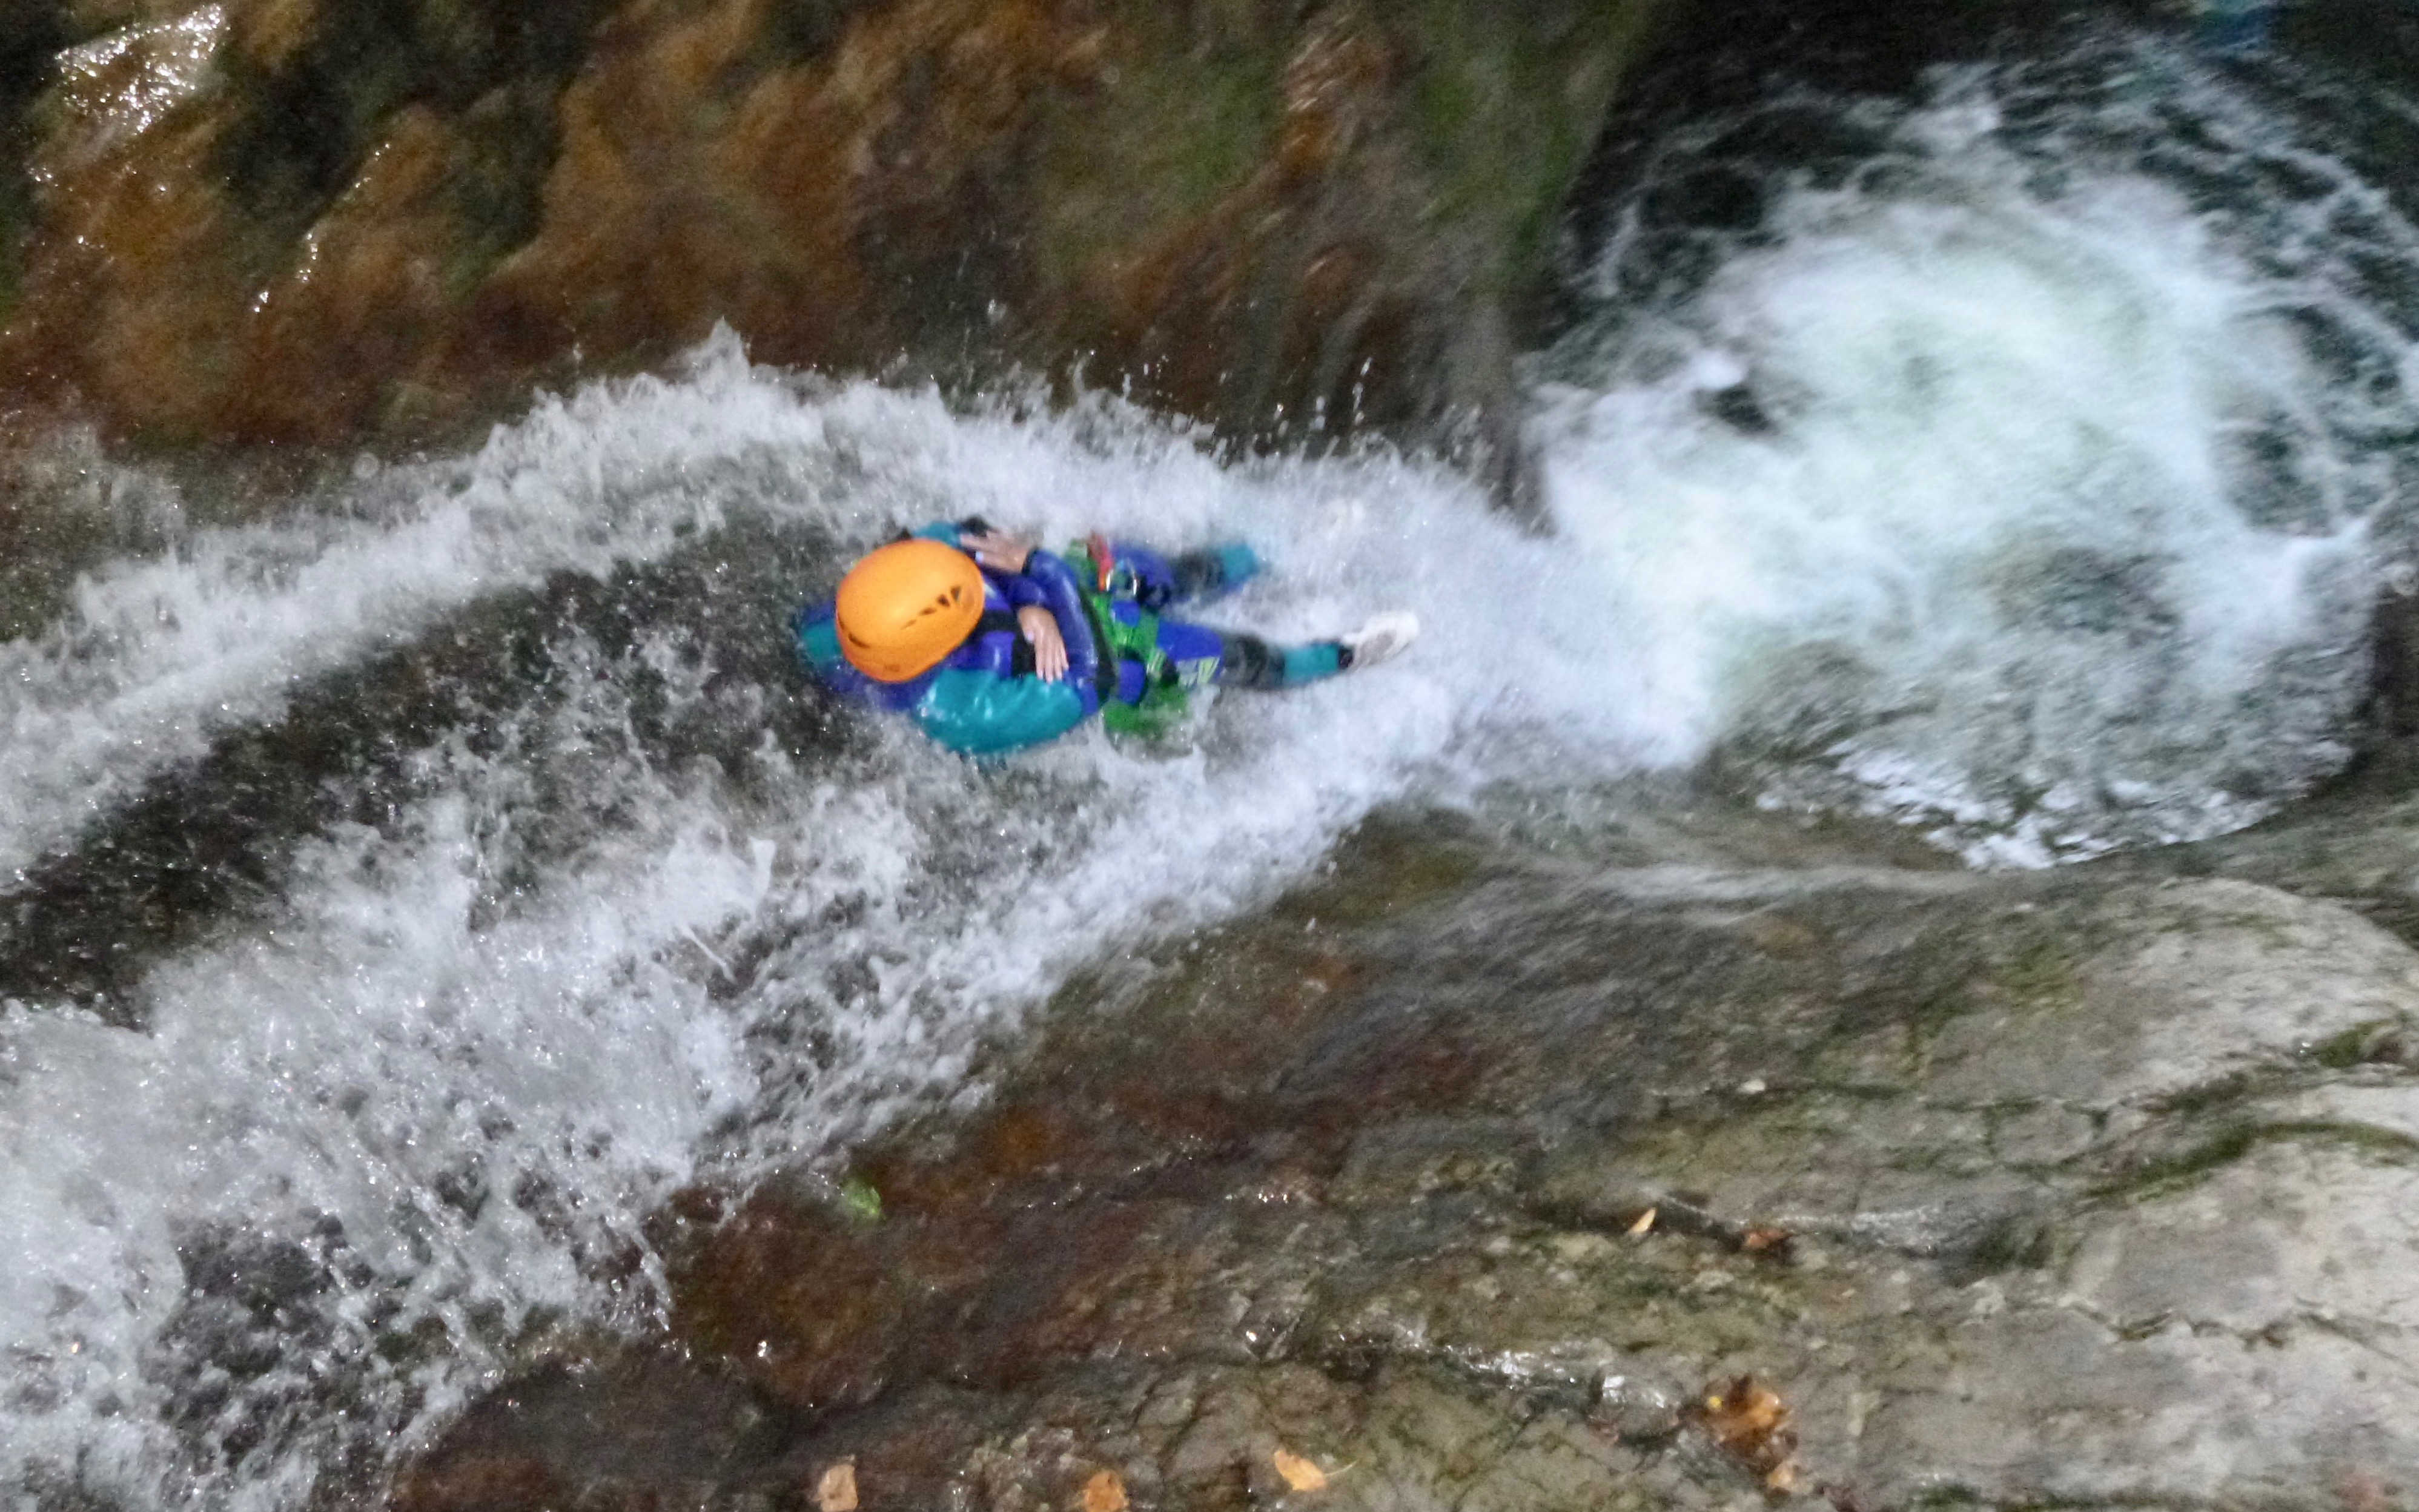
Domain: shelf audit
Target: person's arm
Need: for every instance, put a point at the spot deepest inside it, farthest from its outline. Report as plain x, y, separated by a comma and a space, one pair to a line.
1048, 603
1001, 556
954, 533
1041, 631
996, 549
1063, 599
975, 537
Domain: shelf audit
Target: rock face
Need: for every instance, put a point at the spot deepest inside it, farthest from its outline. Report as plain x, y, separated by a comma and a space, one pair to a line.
1481, 1180
305, 222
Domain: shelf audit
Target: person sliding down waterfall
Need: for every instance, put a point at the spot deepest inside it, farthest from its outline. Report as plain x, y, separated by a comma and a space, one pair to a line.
994, 645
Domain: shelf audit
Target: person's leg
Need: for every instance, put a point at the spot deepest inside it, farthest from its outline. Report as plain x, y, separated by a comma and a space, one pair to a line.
1189, 576
1202, 657
1213, 571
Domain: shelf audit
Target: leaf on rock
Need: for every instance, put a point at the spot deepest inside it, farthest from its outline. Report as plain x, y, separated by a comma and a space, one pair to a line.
1104, 1492
1772, 1241
862, 1201
1299, 1473
837, 1490
1645, 1222
1751, 1422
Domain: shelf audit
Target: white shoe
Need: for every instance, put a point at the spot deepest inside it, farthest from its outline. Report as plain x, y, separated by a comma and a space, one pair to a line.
1383, 638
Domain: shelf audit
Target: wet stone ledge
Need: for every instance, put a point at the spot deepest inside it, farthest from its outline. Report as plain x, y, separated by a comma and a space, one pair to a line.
1515, 1182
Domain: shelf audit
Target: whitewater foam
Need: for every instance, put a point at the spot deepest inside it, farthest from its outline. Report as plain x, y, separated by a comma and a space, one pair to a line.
2021, 506
472, 1045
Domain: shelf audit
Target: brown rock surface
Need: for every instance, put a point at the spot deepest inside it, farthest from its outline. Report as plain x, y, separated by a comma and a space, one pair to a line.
1375, 1194
278, 221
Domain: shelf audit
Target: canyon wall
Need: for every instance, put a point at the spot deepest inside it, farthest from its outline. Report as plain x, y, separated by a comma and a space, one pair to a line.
297, 223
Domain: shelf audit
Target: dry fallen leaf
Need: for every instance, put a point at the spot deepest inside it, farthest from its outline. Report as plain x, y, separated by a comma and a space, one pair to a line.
837, 1490
1299, 1473
1646, 1221
1750, 1421
1104, 1492
1766, 1241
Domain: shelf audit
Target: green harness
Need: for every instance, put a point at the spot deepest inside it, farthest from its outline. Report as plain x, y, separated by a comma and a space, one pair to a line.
1103, 584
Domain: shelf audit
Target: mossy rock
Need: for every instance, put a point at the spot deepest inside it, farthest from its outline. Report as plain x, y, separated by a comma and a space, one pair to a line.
1291, 222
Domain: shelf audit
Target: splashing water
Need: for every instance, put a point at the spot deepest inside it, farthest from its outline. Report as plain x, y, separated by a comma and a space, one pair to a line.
1989, 484
609, 934
2030, 509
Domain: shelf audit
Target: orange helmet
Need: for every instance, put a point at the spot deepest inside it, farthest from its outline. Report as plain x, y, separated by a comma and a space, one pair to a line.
905, 607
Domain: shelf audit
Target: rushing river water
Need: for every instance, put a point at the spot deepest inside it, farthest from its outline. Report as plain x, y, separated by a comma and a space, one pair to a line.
411, 893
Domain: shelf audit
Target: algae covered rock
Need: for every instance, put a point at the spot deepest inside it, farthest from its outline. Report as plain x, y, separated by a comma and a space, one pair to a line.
293, 221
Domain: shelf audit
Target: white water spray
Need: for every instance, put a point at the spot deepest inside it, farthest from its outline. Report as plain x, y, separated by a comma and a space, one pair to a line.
2015, 512
155, 657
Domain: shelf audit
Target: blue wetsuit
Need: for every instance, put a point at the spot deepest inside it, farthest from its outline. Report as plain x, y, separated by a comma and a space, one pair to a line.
986, 697
1198, 657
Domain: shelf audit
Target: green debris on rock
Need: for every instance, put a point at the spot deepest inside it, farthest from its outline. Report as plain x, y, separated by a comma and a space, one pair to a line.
863, 1203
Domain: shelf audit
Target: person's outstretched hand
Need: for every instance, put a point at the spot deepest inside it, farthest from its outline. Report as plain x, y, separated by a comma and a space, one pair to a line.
1049, 647
998, 550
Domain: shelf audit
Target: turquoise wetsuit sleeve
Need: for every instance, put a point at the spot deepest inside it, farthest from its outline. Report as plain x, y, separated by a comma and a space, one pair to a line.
981, 714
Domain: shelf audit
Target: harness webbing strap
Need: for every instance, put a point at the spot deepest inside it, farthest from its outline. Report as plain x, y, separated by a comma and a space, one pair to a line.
1102, 588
